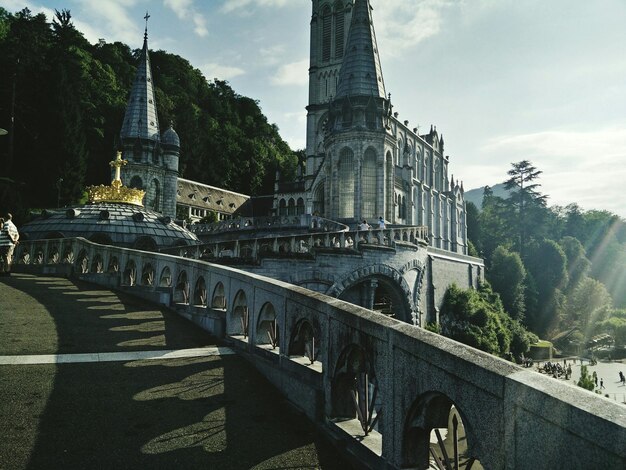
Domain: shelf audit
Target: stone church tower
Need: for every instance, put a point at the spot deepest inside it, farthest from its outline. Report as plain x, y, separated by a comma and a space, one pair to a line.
362, 161
152, 158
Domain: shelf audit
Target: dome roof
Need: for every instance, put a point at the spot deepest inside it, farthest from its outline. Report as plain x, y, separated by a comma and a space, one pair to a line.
170, 137
116, 224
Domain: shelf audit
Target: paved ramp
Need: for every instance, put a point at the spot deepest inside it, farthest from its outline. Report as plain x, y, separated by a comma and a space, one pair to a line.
90, 378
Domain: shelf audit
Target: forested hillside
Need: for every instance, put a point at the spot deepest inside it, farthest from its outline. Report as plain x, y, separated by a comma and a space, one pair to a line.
555, 268
68, 98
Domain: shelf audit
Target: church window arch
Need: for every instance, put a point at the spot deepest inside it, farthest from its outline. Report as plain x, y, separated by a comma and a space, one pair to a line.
282, 207
318, 200
368, 179
300, 206
326, 32
346, 187
388, 185
339, 29
291, 207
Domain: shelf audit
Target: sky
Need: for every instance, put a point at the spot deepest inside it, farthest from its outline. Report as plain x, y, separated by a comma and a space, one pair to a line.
503, 80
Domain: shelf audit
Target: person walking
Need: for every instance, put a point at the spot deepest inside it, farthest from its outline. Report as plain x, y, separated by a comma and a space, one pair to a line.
602, 383
9, 237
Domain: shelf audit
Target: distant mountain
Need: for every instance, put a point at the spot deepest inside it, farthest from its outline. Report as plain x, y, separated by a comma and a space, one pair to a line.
476, 195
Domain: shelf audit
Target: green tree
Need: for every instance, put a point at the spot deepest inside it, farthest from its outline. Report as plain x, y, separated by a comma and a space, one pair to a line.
585, 381
548, 266
524, 200
474, 230
577, 262
506, 275
589, 302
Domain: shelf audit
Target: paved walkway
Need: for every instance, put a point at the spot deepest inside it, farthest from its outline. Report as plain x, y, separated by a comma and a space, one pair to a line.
92, 379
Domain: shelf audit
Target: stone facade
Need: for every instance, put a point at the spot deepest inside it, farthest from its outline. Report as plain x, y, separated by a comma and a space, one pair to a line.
362, 162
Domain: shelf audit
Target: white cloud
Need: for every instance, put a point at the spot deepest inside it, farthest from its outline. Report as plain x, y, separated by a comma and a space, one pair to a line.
583, 167
295, 73
230, 6
185, 10
223, 72
401, 25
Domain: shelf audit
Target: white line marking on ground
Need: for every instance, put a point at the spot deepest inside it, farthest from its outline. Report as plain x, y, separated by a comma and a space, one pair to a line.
115, 356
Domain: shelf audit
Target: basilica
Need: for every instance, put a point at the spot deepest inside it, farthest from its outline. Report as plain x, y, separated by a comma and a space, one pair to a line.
362, 162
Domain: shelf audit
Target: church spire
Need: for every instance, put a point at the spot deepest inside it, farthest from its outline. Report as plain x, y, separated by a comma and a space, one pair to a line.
141, 119
361, 73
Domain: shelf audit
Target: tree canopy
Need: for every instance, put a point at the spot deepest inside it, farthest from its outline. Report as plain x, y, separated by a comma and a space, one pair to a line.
68, 98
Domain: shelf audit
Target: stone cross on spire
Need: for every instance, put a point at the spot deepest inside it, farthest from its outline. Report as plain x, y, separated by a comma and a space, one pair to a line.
147, 17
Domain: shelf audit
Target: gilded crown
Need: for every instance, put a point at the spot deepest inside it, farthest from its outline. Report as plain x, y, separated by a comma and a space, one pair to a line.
116, 192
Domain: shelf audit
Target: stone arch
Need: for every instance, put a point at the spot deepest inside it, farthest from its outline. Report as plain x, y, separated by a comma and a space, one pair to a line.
318, 199
354, 388
267, 330
305, 340
282, 207
300, 206
434, 410
97, 265
181, 288
53, 254
218, 301
129, 276
165, 280
369, 178
82, 261
147, 275
237, 321
200, 297
390, 277
114, 265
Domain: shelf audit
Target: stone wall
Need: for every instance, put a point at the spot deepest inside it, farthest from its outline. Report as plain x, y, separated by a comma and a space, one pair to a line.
327, 349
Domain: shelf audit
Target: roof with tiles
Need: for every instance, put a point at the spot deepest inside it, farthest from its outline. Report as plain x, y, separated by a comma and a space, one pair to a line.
361, 73
141, 119
110, 223
203, 196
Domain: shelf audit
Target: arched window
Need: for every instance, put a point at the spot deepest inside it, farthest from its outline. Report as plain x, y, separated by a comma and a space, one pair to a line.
318, 200
326, 32
370, 115
389, 185
291, 207
282, 207
339, 29
300, 206
346, 186
368, 178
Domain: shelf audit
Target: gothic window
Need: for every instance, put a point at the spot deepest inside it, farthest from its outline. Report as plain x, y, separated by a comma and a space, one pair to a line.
346, 184
282, 207
389, 185
318, 200
339, 30
369, 184
300, 206
326, 32
291, 207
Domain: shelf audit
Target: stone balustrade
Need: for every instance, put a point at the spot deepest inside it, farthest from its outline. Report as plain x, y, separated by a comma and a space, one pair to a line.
378, 386
244, 224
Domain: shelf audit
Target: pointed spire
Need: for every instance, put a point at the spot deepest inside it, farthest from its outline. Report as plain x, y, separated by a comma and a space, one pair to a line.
141, 119
361, 73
